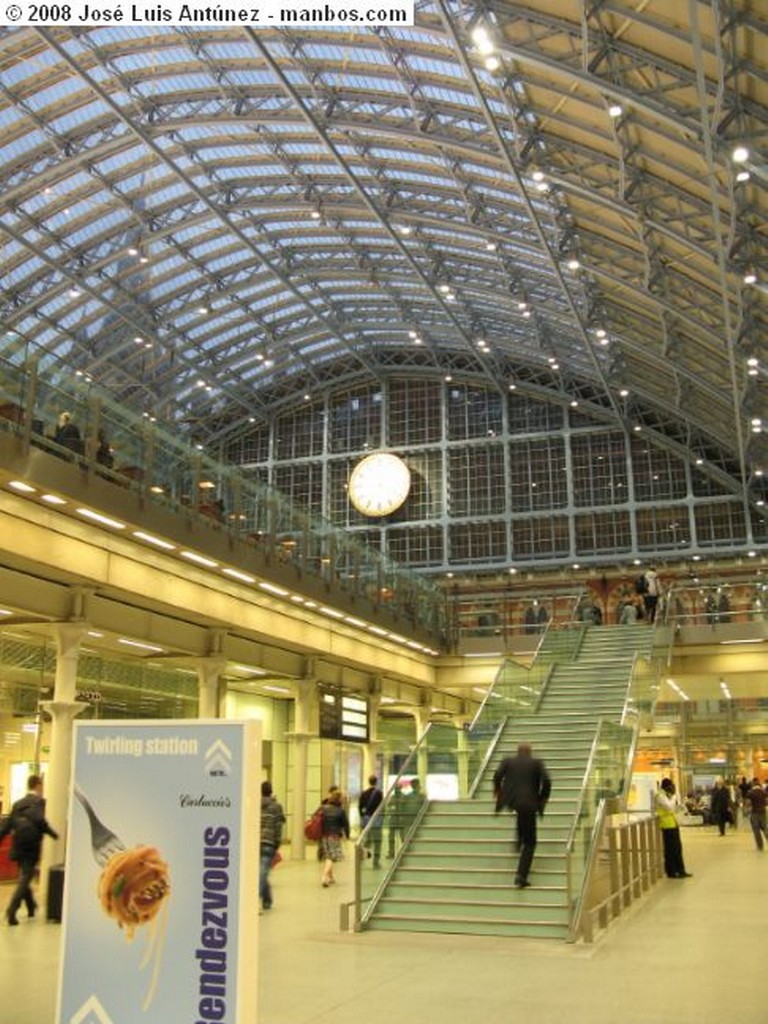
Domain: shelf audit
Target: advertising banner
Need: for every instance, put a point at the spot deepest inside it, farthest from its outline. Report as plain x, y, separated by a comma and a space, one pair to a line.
161, 879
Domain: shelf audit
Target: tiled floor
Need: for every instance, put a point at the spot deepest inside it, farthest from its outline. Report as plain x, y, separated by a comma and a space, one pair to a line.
691, 953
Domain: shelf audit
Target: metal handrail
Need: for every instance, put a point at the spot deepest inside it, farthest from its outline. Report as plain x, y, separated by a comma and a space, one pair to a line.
488, 755
360, 842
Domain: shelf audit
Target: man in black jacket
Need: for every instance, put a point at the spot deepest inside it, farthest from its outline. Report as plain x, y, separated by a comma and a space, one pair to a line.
523, 784
28, 824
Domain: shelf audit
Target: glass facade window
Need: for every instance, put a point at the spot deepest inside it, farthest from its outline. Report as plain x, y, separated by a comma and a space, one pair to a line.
418, 546
478, 543
599, 469
476, 481
529, 415
472, 413
251, 447
657, 474
663, 529
603, 532
537, 475
302, 484
300, 434
495, 477
541, 538
715, 522
355, 420
415, 412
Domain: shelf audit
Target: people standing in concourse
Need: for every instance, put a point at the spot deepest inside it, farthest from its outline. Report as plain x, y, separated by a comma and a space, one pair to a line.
666, 808
522, 784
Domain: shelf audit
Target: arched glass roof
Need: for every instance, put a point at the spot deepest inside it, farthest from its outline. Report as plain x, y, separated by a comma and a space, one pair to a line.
554, 199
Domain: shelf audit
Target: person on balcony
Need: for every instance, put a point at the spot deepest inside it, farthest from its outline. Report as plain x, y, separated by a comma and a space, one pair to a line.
522, 784
68, 433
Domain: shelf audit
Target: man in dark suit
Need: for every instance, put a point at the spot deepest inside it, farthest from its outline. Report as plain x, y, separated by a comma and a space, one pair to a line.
28, 825
523, 784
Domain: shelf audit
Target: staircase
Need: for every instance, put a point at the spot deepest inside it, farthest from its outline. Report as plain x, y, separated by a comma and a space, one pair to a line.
456, 874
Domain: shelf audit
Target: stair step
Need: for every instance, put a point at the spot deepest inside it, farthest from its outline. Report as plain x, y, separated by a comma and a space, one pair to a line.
449, 910
470, 926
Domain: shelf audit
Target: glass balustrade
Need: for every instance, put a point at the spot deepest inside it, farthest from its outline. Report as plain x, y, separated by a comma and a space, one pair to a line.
606, 776
161, 461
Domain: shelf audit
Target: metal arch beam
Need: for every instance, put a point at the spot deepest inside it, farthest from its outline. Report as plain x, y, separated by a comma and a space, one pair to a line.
450, 30
709, 150
350, 175
162, 157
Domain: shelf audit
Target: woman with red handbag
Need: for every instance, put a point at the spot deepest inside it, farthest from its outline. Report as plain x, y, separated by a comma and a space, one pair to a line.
335, 825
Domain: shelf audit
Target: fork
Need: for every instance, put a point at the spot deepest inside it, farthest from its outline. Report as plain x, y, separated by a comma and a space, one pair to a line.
104, 842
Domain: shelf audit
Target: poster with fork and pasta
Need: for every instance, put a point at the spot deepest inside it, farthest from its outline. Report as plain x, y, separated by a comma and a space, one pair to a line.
160, 912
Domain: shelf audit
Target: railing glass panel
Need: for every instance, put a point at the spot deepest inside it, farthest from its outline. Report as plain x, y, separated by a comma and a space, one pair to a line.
162, 462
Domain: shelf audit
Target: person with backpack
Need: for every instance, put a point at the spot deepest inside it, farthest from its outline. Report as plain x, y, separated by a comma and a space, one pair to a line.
28, 824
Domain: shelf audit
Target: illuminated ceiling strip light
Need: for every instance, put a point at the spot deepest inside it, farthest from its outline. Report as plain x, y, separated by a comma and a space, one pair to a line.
280, 591
252, 669
199, 559
104, 520
19, 485
138, 643
378, 631
237, 575
5, 611
96, 635
355, 622
757, 640
157, 541
275, 689
397, 638
52, 499
333, 612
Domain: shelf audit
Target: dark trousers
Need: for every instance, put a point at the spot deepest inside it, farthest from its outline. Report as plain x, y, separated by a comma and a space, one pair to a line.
526, 841
674, 866
650, 601
23, 891
266, 855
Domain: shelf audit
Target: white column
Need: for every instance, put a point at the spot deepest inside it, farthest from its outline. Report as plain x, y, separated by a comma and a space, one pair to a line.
209, 671
372, 747
306, 697
63, 709
422, 721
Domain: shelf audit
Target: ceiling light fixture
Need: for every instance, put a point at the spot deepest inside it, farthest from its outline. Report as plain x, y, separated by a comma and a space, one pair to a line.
192, 556
140, 645
19, 485
615, 110
158, 542
237, 575
272, 589
98, 518
53, 499
740, 155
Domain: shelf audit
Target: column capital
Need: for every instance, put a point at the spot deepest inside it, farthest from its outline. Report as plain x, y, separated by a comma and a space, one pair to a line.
69, 636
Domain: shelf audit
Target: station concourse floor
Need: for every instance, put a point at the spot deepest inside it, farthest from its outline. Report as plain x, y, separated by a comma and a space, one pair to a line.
691, 952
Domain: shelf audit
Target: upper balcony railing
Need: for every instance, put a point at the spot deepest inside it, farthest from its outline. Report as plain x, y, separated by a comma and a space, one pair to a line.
162, 463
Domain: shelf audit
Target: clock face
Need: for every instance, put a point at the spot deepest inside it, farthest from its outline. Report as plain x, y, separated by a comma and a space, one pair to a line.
379, 484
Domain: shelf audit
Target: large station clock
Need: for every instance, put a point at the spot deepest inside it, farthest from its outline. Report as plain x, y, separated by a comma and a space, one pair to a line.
379, 484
